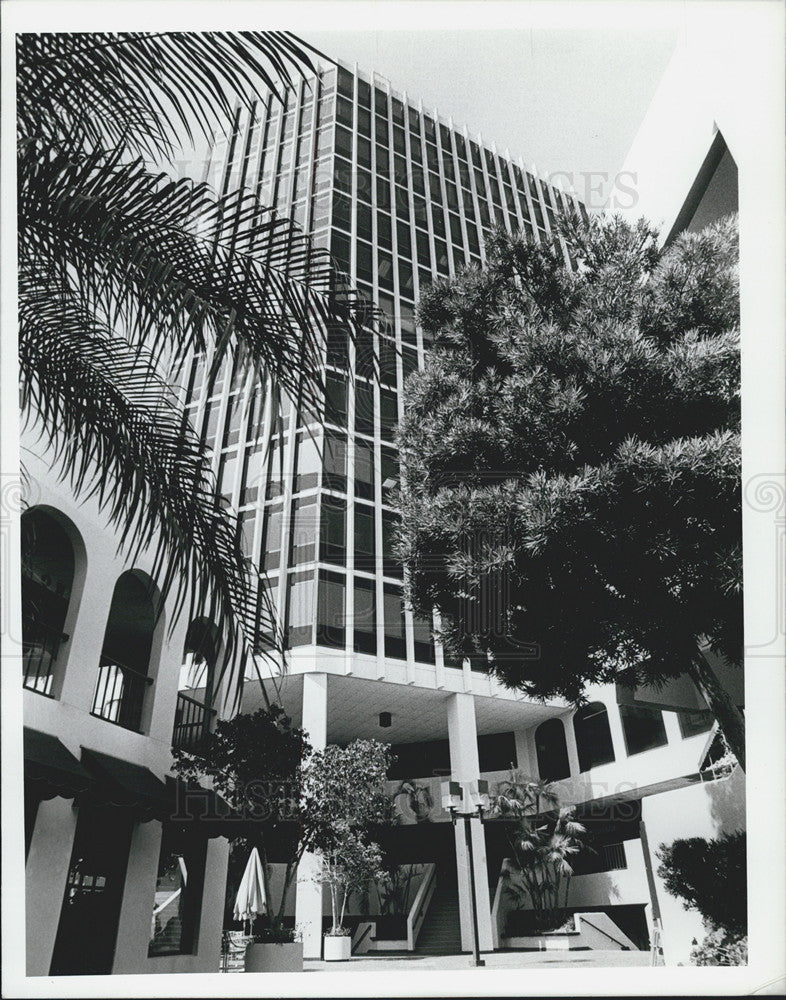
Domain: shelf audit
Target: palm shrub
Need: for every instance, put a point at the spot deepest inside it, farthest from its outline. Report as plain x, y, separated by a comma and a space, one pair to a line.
543, 838
124, 273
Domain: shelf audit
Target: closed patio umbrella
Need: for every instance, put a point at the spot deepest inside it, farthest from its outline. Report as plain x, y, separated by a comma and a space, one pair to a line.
250, 900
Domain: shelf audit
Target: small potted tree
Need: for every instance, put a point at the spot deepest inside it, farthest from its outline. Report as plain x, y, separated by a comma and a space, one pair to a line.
348, 865
344, 795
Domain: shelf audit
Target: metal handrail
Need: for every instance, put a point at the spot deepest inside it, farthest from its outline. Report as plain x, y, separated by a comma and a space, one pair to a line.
41, 644
112, 661
194, 701
38, 623
125, 699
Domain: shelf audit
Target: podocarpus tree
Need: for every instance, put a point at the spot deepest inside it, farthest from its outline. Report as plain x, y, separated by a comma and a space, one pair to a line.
710, 876
571, 462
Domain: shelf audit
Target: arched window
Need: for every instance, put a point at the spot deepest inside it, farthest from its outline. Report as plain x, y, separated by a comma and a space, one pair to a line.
552, 750
195, 690
593, 736
125, 657
47, 581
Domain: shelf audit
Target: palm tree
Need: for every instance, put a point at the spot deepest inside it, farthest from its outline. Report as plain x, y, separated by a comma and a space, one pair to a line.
121, 266
543, 842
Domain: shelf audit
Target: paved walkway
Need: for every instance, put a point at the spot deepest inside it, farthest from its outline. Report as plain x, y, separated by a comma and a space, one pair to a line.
495, 960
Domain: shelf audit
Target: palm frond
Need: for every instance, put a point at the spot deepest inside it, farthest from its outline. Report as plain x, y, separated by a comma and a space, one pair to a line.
178, 268
140, 90
119, 434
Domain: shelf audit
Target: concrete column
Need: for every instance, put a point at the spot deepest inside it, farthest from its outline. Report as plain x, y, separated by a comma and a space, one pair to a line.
526, 761
46, 871
570, 742
139, 894
77, 686
308, 895
615, 725
211, 921
465, 767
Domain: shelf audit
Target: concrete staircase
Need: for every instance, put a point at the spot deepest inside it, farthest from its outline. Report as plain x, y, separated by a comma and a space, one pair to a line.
167, 938
441, 931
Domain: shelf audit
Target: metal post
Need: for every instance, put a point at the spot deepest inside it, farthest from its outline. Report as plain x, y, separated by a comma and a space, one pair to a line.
473, 901
657, 923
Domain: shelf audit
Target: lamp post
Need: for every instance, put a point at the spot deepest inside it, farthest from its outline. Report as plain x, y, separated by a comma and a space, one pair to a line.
452, 800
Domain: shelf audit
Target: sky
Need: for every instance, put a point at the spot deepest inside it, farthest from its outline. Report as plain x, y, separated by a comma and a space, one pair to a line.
566, 99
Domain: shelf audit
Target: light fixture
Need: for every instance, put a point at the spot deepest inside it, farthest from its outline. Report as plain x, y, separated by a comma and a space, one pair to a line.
385, 720
451, 795
479, 794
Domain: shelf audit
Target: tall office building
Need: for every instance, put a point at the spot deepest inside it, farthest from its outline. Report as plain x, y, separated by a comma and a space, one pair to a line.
400, 197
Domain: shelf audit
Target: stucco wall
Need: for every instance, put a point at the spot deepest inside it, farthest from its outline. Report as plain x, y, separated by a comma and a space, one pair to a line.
67, 716
703, 810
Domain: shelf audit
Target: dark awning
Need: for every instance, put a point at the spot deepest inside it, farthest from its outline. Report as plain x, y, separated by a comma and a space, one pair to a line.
51, 769
202, 810
125, 785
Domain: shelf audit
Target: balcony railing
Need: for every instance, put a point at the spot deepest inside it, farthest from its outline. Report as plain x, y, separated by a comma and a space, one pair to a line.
191, 721
120, 693
40, 646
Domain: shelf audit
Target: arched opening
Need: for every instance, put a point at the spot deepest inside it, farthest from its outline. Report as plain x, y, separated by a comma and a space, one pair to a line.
593, 736
552, 750
47, 582
194, 708
125, 657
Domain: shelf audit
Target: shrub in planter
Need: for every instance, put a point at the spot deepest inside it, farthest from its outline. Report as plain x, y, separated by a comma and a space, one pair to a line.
529, 923
544, 838
274, 949
391, 927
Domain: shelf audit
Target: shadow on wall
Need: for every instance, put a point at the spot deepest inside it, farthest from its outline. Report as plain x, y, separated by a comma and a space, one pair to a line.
727, 803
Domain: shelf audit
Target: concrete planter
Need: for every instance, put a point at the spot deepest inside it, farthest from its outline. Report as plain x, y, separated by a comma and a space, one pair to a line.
337, 948
286, 957
550, 941
562, 940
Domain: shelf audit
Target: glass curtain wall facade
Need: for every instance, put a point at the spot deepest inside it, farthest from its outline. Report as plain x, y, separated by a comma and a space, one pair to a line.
400, 198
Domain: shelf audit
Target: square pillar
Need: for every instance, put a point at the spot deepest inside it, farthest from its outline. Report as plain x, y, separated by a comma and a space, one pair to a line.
465, 767
139, 897
525, 753
309, 892
570, 742
46, 871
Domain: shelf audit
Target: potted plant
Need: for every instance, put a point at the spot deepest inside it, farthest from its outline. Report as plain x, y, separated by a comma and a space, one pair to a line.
348, 865
344, 796
274, 949
257, 761
543, 838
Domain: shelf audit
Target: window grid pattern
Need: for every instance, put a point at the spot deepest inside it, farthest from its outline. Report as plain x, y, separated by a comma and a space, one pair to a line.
400, 197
